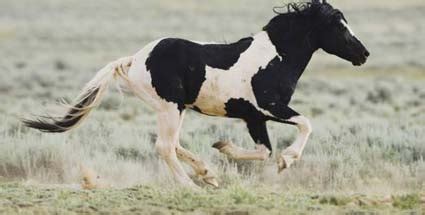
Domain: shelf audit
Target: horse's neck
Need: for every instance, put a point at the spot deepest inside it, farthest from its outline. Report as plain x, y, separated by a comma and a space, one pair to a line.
294, 42
262, 49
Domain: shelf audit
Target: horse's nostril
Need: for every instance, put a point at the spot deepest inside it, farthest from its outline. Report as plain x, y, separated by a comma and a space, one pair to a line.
366, 53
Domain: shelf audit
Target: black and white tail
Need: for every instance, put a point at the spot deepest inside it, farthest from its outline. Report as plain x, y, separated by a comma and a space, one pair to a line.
89, 98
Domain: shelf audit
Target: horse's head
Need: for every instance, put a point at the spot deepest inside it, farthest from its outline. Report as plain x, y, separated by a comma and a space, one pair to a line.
336, 37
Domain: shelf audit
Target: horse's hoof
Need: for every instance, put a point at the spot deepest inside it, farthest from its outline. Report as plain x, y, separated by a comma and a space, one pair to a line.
286, 159
220, 145
281, 164
211, 181
208, 177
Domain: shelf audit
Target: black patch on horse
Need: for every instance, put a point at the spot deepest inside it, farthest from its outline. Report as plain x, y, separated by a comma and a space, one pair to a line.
274, 86
242, 109
224, 56
255, 120
178, 66
258, 131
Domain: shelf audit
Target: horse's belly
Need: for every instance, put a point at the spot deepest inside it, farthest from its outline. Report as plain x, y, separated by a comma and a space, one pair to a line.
218, 89
211, 106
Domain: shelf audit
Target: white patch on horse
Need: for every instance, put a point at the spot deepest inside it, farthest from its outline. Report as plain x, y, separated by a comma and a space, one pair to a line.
348, 27
141, 80
234, 83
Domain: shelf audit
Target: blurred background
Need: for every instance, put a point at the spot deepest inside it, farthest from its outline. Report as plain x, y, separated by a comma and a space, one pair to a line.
368, 121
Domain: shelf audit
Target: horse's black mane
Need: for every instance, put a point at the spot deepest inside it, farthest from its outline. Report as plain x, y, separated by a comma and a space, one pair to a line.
306, 9
322, 11
294, 8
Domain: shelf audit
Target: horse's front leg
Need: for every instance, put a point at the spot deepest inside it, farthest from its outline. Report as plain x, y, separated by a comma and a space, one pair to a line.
287, 157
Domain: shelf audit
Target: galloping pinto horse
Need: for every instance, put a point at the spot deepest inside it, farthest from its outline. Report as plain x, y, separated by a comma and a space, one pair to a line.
252, 79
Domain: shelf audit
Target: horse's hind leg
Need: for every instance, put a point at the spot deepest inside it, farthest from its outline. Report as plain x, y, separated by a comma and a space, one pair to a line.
258, 131
235, 152
168, 135
198, 166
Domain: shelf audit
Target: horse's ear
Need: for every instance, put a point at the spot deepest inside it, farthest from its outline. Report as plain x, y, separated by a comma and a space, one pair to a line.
324, 2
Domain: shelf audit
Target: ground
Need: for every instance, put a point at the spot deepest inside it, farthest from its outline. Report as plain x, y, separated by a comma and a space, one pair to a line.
230, 200
366, 153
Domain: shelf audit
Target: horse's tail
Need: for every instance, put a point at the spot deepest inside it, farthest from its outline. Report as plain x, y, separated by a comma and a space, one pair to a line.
89, 98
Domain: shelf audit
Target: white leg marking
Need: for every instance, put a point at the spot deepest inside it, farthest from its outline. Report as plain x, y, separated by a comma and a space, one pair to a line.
294, 152
168, 133
198, 166
232, 151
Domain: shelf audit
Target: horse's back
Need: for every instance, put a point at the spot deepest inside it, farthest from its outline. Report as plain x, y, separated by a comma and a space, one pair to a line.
176, 68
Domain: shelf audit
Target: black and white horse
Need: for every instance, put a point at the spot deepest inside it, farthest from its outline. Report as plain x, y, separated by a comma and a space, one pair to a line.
252, 79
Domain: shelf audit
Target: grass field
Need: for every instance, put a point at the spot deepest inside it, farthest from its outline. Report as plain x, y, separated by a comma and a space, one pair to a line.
234, 199
366, 154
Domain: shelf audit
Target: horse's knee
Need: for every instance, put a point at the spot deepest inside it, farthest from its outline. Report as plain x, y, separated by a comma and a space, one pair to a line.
168, 132
303, 124
164, 149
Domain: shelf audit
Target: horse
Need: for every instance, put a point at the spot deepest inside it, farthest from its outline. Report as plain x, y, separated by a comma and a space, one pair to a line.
252, 79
